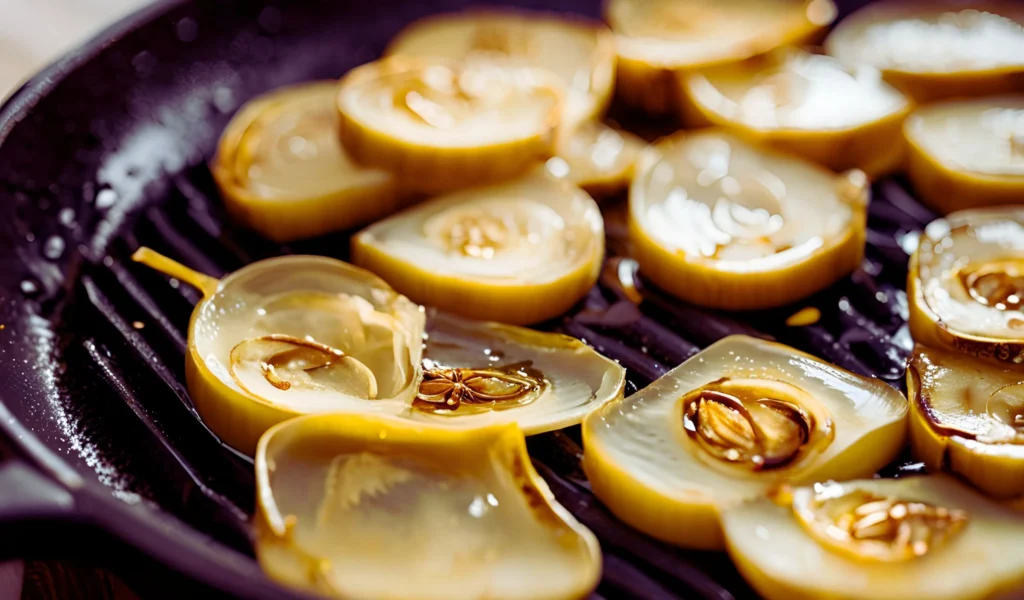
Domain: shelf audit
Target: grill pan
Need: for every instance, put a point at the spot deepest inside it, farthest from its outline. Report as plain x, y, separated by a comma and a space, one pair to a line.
104, 457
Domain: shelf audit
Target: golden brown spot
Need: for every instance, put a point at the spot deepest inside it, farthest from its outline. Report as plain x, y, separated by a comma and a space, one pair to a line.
445, 390
503, 40
745, 425
998, 284
878, 528
805, 316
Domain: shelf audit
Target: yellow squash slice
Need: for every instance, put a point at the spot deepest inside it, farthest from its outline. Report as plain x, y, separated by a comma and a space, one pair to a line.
806, 104
295, 335
967, 416
597, 158
939, 49
966, 284
656, 39
721, 223
581, 53
731, 424
283, 173
883, 539
439, 127
357, 506
477, 374
968, 154
518, 252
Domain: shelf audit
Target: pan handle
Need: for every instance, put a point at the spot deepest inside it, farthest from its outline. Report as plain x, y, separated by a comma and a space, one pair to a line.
36, 512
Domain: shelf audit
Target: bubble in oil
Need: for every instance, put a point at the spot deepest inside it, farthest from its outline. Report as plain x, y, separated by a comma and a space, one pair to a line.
66, 217
106, 198
53, 248
29, 287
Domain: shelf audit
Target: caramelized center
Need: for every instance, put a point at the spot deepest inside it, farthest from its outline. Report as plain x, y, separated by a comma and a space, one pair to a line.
287, 363
479, 234
998, 284
878, 528
749, 425
444, 390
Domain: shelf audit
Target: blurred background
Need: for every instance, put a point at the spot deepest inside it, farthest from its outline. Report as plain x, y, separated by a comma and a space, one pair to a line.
33, 33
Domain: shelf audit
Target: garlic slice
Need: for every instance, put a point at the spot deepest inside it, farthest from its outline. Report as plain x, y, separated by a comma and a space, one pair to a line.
581, 53
806, 104
440, 127
597, 158
885, 539
478, 374
296, 335
966, 281
358, 506
283, 173
657, 38
967, 416
968, 154
518, 252
721, 223
937, 50
730, 424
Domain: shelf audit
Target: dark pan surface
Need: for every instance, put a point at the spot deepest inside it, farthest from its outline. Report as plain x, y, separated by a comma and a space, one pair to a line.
107, 150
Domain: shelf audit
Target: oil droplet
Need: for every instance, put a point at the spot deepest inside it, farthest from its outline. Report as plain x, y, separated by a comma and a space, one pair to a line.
805, 316
66, 216
54, 247
29, 287
106, 198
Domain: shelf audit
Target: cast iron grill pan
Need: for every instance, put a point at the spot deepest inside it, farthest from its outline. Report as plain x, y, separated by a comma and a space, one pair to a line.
107, 150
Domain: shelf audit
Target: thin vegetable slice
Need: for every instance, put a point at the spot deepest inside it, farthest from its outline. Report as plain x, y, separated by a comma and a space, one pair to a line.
967, 416
356, 506
284, 174
656, 39
518, 252
733, 423
597, 158
937, 50
966, 284
887, 539
718, 222
439, 127
581, 53
967, 154
806, 104
295, 335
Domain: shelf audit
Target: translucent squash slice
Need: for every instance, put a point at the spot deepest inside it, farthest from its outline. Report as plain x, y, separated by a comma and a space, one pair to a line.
283, 173
356, 506
581, 53
967, 416
477, 374
721, 223
966, 284
597, 158
968, 154
936, 50
656, 39
439, 127
731, 424
518, 252
806, 104
295, 335
883, 539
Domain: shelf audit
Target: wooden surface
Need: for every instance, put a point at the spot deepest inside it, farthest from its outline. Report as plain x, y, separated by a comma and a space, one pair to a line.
33, 33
